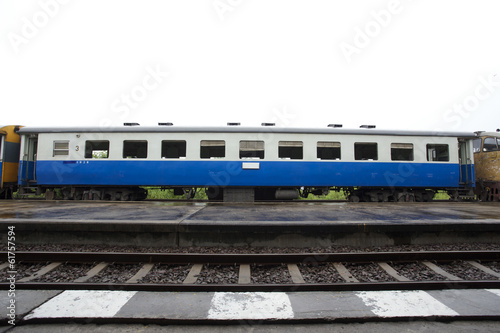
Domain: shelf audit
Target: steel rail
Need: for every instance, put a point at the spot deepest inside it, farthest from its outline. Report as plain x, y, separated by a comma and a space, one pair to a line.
305, 258
179, 287
275, 258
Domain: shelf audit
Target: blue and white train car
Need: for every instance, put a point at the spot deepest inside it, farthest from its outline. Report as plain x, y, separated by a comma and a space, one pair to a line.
242, 162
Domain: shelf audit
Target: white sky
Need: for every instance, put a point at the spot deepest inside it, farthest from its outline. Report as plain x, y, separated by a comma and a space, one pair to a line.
422, 65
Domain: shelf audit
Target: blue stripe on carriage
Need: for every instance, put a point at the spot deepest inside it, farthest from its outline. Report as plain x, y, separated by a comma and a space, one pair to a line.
26, 173
231, 173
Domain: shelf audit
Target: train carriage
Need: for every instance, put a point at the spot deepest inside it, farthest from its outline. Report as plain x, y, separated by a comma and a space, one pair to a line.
239, 163
9, 160
487, 160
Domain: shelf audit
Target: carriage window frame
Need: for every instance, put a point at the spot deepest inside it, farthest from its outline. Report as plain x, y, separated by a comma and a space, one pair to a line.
135, 146
328, 150
366, 151
100, 152
252, 149
476, 145
173, 149
443, 155
60, 148
402, 152
491, 146
291, 150
212, 149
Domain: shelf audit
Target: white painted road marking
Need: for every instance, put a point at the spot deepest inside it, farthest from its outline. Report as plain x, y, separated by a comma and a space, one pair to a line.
83, 304
261, 306
272, 305
494, 291
414, 303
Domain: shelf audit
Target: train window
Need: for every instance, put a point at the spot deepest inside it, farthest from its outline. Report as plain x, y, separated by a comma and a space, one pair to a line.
213, 149
477, 145
327, 150
402, 151
365, 151
292, 150
490, 144
96, 149
173, 149
251, 149
61, 148
437, 152
135, 149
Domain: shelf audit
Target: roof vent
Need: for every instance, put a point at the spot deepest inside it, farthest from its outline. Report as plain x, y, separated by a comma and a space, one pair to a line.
335, 125
165, 124
367, 126
268, 124
131, 124
498, 129
233, 124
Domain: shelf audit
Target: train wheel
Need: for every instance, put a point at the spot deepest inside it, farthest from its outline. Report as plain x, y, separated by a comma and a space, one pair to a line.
49, 195
7, 193
95, 195
66, 194
428, 196
353, 198
214, 193
78, 194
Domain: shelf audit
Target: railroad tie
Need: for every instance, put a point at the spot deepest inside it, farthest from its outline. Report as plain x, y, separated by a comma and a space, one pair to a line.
344, 273
483, 268
244, 276
41, 272
193, 274
441, 271
141, 273
295, 273
392, 272
93, 272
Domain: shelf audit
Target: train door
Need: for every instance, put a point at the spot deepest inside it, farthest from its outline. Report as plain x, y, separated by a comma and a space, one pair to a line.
28, 164
465, 161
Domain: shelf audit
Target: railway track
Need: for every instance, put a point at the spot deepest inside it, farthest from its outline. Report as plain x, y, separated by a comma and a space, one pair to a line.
423, 270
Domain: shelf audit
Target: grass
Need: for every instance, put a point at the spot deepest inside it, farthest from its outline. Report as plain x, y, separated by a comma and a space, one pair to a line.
441, 195
16, 195
332, 195
157, 193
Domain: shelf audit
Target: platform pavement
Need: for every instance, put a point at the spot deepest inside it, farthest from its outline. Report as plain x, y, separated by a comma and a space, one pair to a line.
158, 224
251, 307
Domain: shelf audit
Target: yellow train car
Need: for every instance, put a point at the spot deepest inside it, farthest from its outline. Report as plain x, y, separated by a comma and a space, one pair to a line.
9, 160
487, 164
